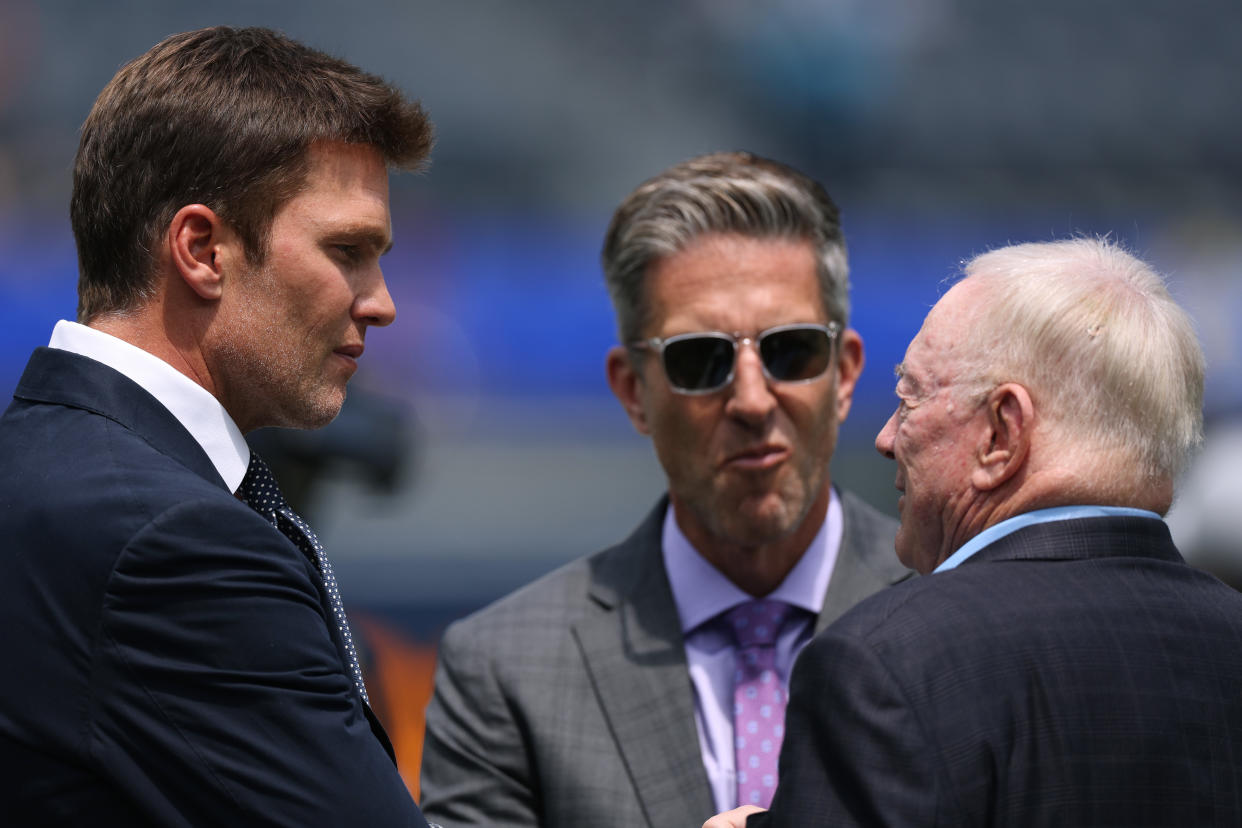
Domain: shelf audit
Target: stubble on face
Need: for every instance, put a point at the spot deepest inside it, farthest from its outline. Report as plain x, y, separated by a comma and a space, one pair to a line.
280, 370
757, 508
288, 331
733, 283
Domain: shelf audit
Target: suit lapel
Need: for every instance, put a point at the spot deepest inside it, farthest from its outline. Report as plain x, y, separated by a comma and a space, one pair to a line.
63, 378
59, 377
866, 561
635, 656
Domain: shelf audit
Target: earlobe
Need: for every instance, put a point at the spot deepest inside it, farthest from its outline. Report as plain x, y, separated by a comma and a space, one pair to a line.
625, 383
1004, 446
196, 236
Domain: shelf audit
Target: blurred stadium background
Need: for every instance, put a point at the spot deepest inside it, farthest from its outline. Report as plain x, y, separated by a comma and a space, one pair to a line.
480, 446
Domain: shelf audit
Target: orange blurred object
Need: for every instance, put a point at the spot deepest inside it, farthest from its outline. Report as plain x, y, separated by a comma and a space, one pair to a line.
399, 673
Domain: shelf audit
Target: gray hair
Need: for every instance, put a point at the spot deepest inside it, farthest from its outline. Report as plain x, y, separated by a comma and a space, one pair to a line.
1093, 332
725, 192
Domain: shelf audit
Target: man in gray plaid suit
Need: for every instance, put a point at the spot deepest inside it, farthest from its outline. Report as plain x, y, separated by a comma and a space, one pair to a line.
604, 693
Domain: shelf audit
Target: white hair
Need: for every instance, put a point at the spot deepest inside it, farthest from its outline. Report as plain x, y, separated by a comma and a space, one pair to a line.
1094, 335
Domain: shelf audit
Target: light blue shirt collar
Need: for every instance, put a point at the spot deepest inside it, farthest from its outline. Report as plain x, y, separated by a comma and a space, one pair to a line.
1013, 524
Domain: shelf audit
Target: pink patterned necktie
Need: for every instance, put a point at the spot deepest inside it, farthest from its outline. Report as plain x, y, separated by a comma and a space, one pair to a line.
758, 698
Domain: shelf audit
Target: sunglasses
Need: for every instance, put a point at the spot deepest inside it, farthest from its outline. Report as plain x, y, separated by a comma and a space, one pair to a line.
700, 363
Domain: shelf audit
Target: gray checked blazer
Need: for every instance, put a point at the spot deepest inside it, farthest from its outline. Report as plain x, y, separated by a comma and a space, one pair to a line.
568, 704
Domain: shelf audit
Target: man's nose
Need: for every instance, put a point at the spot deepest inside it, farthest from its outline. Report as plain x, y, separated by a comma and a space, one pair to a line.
750, 399
884, 440
374, 304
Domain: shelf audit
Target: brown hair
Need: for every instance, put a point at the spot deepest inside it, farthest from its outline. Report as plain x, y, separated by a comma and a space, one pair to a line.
222, 117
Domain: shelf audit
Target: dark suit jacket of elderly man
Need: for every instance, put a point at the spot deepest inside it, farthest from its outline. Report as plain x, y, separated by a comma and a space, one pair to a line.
569, 704
169, 656
1075, 673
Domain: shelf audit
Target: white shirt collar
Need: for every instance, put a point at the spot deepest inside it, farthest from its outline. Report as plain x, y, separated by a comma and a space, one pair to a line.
701, 592
194, 406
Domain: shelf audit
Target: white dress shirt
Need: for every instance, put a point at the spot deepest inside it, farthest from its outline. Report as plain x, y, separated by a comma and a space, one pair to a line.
192, 405
701, 592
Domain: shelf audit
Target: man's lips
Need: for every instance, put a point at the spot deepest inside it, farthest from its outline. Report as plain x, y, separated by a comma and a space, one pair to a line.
758, 457
350, 354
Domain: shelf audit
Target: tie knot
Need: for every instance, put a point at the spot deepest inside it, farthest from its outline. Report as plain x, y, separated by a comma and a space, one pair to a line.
757, 623
259, 490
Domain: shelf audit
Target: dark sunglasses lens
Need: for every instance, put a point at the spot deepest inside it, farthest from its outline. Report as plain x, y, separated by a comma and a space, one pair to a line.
698, 363
796, 354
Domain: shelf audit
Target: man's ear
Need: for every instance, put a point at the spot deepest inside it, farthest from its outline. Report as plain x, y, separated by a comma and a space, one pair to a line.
626, 383
1006, 442
198, 243
849, 367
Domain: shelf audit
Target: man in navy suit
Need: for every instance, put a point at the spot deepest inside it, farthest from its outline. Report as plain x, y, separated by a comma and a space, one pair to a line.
1059, 663
177, 657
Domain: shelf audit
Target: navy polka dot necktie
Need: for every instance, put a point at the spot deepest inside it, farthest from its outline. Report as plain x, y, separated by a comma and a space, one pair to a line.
260, 492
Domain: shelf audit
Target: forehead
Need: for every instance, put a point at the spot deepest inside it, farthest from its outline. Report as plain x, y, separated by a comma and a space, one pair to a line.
346, 185
732, 282
938, 349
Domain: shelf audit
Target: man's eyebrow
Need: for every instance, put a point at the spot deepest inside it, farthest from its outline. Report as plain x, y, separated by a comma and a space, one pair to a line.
366, 234
905, 380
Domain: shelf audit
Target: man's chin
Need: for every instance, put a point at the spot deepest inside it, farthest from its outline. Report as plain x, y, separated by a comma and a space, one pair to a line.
908, 554
315, 413
758, 521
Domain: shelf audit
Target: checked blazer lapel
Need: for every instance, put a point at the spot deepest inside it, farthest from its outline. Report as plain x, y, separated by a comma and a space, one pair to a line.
866, 562
636, 659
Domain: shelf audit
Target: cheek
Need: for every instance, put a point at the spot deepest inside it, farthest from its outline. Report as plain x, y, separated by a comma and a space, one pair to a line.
681, 435
813, 415
932, 464
920, 439
905, 443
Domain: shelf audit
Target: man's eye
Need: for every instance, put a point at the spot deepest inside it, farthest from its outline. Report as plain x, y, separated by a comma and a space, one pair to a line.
349, 251
904, 406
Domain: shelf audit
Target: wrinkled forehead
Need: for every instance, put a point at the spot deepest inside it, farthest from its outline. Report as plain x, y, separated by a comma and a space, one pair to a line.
944, 342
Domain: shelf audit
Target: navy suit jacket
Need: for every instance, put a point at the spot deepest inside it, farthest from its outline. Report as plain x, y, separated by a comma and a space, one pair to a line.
1077, 673
169, 656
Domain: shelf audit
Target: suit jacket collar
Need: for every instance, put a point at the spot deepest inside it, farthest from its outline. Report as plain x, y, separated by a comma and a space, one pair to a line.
634, 652
1082, 539
866, 563
62, 378
59, 377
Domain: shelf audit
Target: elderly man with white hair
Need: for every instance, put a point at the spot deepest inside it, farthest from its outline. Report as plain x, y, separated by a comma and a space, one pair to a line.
1059, 663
